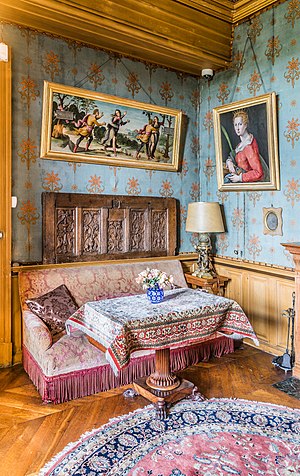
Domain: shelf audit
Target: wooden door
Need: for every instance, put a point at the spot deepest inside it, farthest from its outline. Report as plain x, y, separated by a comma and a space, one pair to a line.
5, 214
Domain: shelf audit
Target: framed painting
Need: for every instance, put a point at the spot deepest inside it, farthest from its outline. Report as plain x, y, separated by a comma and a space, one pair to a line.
79, 125
246, 144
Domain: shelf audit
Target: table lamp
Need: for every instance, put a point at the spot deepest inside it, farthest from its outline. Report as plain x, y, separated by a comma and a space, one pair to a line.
204, 218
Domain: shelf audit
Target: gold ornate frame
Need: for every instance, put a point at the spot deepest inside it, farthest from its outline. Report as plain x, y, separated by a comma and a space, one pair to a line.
262, 126
133, 139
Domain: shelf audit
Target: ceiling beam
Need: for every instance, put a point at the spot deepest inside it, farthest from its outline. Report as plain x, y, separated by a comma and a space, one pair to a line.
183, 35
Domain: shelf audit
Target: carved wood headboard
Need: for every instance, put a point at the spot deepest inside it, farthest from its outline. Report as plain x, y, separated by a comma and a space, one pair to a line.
85, 227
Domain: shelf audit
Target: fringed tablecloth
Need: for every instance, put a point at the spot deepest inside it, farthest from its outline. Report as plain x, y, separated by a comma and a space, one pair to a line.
185, 317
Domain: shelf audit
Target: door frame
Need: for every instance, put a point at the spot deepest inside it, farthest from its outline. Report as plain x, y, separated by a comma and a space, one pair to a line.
5, 213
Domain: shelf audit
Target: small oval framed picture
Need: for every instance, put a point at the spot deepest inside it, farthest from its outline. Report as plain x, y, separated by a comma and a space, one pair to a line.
272, 220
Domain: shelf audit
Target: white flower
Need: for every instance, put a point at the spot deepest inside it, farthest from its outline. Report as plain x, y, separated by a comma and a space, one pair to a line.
154, 278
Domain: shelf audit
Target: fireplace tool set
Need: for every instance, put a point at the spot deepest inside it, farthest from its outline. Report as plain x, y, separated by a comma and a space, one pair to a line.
286, 361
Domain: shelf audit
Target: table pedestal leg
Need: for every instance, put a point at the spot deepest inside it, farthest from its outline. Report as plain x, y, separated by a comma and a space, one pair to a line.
162, 378
163, 387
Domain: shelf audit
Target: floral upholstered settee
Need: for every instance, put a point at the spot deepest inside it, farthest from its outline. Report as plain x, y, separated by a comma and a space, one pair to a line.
64, 367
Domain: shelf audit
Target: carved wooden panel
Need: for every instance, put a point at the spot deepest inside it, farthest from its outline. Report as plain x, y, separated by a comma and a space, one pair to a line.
138, 232
65, 223
84, 227
159, 230
91, 237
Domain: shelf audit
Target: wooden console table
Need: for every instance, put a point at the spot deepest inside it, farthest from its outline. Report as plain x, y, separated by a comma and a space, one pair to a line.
215, 285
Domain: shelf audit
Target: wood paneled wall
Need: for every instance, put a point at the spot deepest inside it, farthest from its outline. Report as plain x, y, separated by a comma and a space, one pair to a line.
263, 291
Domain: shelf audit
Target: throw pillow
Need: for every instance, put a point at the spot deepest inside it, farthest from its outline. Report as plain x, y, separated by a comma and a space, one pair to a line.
54, 308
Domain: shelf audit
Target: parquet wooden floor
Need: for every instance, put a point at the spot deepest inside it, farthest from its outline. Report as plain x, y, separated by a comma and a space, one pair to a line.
31, 432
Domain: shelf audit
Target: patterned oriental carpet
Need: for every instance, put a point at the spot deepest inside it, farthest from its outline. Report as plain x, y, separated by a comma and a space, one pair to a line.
199, 438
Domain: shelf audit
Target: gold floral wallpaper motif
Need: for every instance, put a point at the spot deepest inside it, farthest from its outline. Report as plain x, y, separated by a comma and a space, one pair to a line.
292, 133
238, 218
292, 191
133, 84
255, 29
293, 13
254, 197
224, 92
195, 99
254, 247
133, 187
273, 49
292, 74
95, 75
238, 61
51, 182
95, 184
28, 216
51, 65
166, 92
255, 83
28, 151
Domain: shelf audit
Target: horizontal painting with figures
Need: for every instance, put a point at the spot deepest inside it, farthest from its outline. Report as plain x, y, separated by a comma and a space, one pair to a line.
246, 144
85, 126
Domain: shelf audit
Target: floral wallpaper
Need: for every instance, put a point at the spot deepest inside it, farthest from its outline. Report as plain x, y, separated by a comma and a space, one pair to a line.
266, 58
38, 57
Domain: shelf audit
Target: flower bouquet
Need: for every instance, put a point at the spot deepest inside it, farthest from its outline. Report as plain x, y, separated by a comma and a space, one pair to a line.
154, 281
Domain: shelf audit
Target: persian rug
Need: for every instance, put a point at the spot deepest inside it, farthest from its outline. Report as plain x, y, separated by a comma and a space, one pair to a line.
199, 438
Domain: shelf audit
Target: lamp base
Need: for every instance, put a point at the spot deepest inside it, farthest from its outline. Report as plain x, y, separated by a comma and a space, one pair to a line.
205, 268
204, 274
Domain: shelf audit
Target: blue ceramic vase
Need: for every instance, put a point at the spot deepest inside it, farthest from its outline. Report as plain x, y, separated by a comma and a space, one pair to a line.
155, 294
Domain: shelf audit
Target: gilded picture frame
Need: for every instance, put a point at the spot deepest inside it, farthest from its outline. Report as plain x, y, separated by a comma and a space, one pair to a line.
247, 144
79, 125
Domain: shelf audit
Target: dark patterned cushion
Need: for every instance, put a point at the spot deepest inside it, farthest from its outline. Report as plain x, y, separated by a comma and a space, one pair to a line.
54, 308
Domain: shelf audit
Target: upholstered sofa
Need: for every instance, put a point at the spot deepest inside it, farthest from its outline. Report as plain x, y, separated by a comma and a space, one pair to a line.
70, 366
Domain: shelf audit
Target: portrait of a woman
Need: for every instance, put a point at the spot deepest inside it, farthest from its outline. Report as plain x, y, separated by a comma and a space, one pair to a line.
245, 164
246, 144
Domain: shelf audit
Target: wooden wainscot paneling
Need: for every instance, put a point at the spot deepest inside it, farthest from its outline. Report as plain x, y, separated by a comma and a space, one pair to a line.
264, 292
234, 288
258, 293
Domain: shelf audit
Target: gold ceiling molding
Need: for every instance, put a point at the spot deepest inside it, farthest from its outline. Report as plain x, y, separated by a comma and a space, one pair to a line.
245, 9
183, 35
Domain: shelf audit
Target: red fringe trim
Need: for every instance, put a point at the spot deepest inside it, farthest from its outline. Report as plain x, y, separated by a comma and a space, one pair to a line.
65, 387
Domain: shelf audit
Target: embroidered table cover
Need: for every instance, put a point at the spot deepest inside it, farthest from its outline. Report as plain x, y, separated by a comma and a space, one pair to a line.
185, 317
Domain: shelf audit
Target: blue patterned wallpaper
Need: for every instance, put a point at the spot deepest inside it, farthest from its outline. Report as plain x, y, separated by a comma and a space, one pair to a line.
37, 57
272, 63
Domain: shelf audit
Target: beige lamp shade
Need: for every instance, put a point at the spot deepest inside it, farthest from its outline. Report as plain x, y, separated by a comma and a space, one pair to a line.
204, 217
